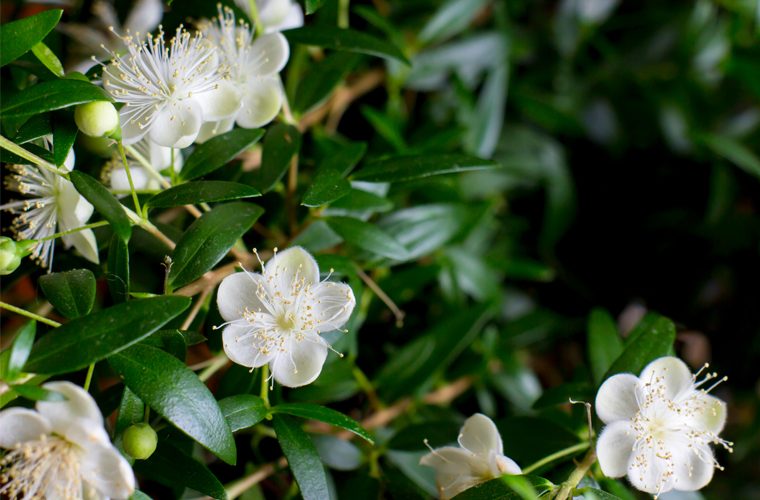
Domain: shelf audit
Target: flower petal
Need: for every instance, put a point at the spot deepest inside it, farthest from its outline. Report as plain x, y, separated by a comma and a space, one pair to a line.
177, 124
18, 425
694, 467
614, 448
144, 16
616, 399
131, 132
648, 470
273, 12
107, 471
290, 266
294, 19
79, 409
668, 373
85, 243
705, 412
242, 348
333, 304
212, 129
269, 54
505, 465
480, 435
456, 470
301, 363
140, 178
73, 209
262, 100
221, 102
238, 292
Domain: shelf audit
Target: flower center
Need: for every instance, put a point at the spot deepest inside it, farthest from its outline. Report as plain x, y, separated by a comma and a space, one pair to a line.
286, 322
48, 467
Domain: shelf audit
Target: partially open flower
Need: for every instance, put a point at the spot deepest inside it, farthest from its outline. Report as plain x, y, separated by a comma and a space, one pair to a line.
158, 157
97, 118
277, 316
275, 15
61, 451
659, 427
479, 457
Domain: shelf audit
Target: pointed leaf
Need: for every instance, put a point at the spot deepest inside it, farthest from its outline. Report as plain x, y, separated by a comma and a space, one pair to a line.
281, 143
117, 270
243, 411
324, 414
18, 37
647, 344
104, 202
406, 168
201, 192
604, 343
303, 458
367, 237
51, 95
72, 293
345, 39
20, 349
219, 150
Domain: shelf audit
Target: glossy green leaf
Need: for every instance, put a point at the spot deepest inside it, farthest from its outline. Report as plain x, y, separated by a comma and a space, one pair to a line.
509, 487
72, 293
51, 95
322, 77
201, 192
209, 238
48, 58
175, 392
604, 343
117, 269
649, 343
243, 411
18, 37
303, 458
597, 494
20, 349
358, 200
386, 127
735, 152
281, 143
406, 168
451, 18
367, 237
313, 5
36, 393
219, 150
64, 135
104, 202
34, 128
323, 414
131, 410
85, 340
345, 40
329, 182
171, 341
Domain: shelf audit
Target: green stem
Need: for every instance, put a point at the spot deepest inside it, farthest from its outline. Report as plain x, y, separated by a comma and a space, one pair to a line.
24, 312
70, 231
566, 491
146, 414
28, 155
147, 166
129, 177
88, 379
571, 450
172, 172
265, 385
219, 362
255, 17
343, 13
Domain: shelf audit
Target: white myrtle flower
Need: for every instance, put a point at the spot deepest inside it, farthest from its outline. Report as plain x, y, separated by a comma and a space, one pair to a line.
275, 15
61, 451
52, 205
252, 69
479, 457
158, 157
277, 316
166, 88
659, 427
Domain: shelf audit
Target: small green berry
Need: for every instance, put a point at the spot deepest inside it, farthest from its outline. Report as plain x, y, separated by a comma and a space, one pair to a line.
11, 253
140, 441
97, 118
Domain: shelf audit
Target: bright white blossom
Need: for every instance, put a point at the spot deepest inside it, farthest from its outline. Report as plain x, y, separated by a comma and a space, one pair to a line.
52, 205
158, 157
166, 88
252, 69
479, 457
659, 427
277, 316
61, 451
275, 15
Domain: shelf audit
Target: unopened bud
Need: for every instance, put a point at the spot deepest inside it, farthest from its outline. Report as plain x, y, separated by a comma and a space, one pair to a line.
139, 441
97, 118
11, 253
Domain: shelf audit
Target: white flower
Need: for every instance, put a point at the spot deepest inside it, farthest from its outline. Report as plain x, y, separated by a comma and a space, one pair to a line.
275, 15
480, 457
165, 89
158, 157
52, 205
659, 427
277, 317
61, 451
252, 67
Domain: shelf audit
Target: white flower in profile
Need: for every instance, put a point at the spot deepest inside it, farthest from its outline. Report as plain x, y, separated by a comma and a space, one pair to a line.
52, 205
61, 451
158, 157
166, 88
275, 15
659, 427
252, 68
479, 457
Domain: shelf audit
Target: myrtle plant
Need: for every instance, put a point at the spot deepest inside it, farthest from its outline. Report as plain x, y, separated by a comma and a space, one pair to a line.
283, 249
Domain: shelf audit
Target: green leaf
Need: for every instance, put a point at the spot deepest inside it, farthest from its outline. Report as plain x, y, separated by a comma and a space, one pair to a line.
735, 152
34, 128
313, 5
219, 150
303, 458
72, 293
35, 393
18, 37
209, 238
649, 343
117, 269
329, 183
367, 237
451, 18
175, 392
64, 135
170, 466
86, 340
322, 77
171, 341
243, 411
338, 453
484, 128
51, 95
104, 202
406, 168
48, 59
597, 494
201, 192
20, 349
281, 143
604, 343
358, 200
324, 414
509, 487
386, 127
131, 411
346, 40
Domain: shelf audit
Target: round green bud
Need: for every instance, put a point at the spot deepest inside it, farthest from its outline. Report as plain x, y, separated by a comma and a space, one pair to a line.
139, 441
97, 118
11, 253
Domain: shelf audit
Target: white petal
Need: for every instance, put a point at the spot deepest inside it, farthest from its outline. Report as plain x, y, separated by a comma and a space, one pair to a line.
269, 54
648, 472
455, 470
505, 465
616, 399
140, 178
333, 304
289, 266
18, 425
705, 412
131, 132
294, 19
85, 243
480, 435
669, 373
107, 471
177, 124
242, 348
222, 102
144, 16
614, 448
262, 100
238, 293
212, 129
301, 363
79, 409
68, 162
273, 12
694, 467
89, 493
160, 157
73, 209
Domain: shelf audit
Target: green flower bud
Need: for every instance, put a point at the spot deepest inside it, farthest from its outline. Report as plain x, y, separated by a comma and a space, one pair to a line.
97, 118
11, 253
139, 441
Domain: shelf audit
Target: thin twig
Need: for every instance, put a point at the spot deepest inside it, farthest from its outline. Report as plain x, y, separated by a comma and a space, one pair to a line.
398, 313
